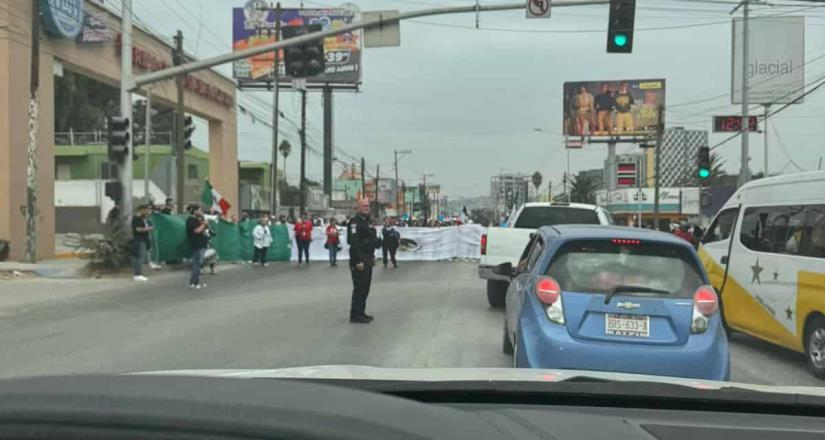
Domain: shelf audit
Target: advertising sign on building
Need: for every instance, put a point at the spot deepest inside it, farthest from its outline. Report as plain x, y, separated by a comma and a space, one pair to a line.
254, 25
612, 108
626, 174
776, 64
95, 28
62, 18
630, 200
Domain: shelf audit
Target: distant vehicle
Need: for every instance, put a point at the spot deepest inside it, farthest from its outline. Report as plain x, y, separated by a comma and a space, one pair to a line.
771, 277
504, 244
613, 298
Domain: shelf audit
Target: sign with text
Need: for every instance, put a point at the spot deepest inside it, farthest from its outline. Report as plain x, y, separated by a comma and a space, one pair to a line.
776, 64
253, 26
727, 124
63, 18
612, 108
626, 174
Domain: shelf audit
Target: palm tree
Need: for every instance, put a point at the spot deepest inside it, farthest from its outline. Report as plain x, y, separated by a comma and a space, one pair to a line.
537, 178
285, 148
583, 188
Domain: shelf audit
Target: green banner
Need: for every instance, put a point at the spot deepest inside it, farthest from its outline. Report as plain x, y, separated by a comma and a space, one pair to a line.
233, 242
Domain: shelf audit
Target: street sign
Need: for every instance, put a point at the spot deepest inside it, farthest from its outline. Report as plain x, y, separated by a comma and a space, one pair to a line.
385, 34
727, 124
538, 8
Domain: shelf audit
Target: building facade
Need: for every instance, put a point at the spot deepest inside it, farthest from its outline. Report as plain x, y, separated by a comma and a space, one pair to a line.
678, 160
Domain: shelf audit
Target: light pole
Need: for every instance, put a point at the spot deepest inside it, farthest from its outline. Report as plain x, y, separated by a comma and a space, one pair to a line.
396, 152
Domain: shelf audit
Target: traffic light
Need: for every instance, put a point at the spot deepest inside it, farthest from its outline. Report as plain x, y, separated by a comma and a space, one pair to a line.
118, 127
620, 26
703, 163
188, 128
307, 59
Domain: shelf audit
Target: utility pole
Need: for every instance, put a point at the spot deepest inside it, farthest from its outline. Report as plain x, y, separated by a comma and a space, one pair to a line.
328, 130
146, 155
273, 204
567, 177
377, 178
302, 185
660, 128
363, 179
126, 79
765, 129
397, 202
178, 59
744, 169
31, 146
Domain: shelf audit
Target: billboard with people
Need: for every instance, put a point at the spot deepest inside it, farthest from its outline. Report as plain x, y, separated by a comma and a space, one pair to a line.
612, 108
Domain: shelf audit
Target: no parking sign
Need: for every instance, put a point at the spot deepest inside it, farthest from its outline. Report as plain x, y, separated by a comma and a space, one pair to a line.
538, 8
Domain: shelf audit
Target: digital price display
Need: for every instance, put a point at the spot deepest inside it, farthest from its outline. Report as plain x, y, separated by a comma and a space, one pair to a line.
726, 124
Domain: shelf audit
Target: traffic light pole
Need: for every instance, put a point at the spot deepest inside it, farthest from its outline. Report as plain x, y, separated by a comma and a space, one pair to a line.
328, 130
765, 144
180, 157
146, 143
194, 66
127, 163
275, 116
744, 169
660, 128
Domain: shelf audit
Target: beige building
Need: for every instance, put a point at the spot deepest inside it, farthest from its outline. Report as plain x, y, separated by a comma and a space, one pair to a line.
208, 95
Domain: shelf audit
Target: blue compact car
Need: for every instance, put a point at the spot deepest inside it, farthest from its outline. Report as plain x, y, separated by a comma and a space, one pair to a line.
613, 299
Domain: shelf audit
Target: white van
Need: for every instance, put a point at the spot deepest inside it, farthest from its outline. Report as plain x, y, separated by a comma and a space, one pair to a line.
771, 275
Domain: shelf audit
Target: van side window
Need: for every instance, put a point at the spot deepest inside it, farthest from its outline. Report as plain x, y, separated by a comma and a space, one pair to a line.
812, 237
779, 229
721, 227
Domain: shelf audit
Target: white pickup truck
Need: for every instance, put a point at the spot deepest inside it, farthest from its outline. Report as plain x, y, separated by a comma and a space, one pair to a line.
503, 244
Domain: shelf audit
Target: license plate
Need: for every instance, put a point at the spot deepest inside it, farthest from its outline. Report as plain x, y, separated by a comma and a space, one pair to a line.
627, 325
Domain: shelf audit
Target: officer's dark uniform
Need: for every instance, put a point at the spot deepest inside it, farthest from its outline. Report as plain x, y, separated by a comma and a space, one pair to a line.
363, 241
390, 241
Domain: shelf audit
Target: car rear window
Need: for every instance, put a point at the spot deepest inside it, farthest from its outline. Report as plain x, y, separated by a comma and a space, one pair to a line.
597, 266
538, 216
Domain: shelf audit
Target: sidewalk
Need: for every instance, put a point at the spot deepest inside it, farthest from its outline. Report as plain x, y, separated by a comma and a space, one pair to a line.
59, 268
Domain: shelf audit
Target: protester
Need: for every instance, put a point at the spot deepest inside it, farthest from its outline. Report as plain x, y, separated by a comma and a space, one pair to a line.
681, 231
168, 207
150, 242
196, 227
363, 242
390, 242
263, 239
282, 220
333, 242
140, 242
303, 237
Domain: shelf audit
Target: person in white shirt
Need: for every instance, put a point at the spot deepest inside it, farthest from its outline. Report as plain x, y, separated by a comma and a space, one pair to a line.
262, 239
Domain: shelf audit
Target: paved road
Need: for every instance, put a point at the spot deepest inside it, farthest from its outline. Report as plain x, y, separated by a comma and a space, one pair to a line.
427, 315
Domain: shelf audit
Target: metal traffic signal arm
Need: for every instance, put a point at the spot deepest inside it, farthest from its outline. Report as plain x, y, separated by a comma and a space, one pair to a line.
171, 72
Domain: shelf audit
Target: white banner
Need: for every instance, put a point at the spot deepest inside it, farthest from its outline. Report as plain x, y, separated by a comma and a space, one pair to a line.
776, 65
417, 244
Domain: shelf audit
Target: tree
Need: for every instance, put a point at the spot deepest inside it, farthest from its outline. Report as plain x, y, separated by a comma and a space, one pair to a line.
537, 178
583, 188
285, 148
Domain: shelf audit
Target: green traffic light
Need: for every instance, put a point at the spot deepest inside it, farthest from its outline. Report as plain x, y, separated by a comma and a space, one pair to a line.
704, 173
620, 40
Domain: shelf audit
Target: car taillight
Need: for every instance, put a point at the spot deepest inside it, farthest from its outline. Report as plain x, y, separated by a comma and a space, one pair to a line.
548, 293
705, 304
484, 244
705, 300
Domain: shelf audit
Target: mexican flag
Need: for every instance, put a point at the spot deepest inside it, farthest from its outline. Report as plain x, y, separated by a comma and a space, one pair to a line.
213, 201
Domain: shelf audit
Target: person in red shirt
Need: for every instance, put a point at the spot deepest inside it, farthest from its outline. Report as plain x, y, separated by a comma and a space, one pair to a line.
303, 237
333, 240
681, 231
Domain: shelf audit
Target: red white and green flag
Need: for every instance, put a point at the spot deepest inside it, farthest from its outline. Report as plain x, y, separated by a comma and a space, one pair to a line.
213, 201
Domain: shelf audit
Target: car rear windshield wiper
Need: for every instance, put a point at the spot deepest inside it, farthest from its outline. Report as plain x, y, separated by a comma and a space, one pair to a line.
627, 288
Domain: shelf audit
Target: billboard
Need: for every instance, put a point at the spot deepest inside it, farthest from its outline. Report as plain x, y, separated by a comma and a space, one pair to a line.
612, 108
254, 26
776, 64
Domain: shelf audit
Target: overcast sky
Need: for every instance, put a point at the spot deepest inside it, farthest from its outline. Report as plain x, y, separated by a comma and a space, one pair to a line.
467, 100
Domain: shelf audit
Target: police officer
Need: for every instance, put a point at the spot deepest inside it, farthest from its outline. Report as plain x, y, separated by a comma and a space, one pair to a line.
363, 241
